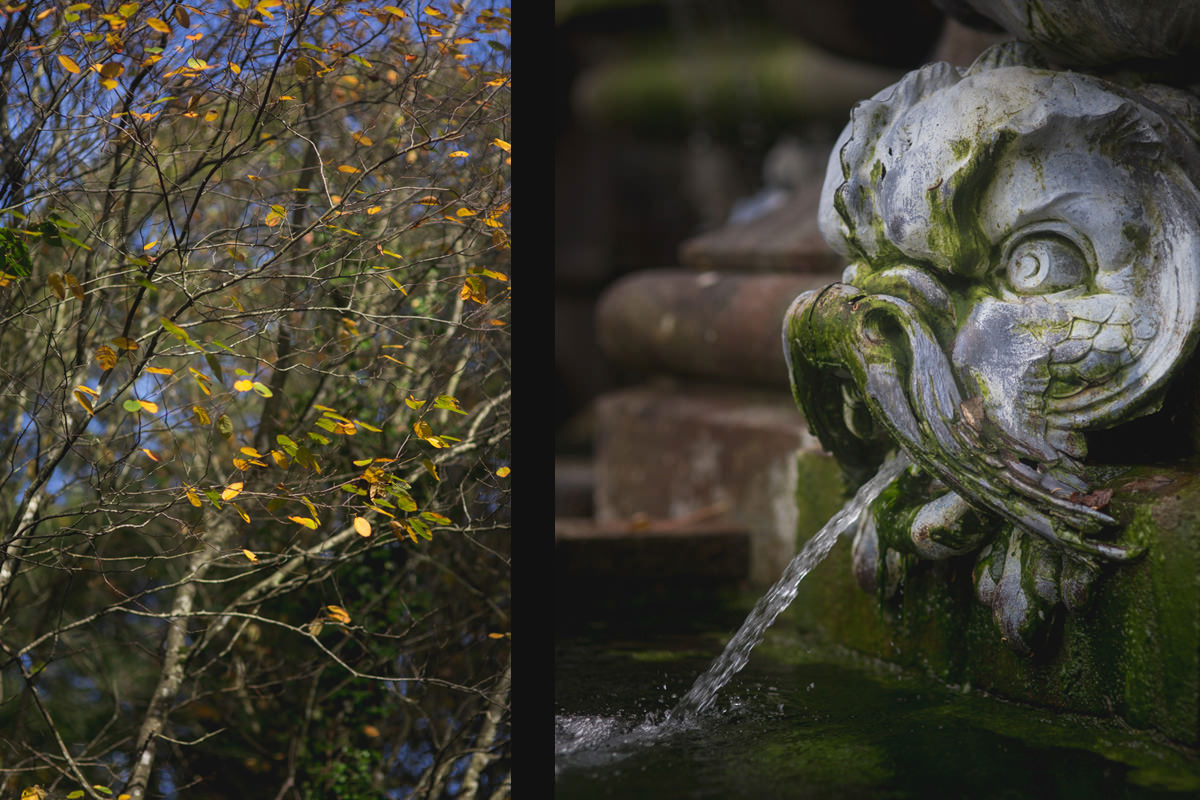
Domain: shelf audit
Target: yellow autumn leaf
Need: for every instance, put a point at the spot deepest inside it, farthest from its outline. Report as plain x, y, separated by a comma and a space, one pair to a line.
421, 428
201, 415
244, 385
83, 400
149, 406
349, 169
68, 64
73, 285
362, 139
460, 154
158, 25
192, 497
106, 356
362, 527
125, 343
149, 453
503, 145
305, 521
503, 472
160, 370
338, 614
232, 491
250, 555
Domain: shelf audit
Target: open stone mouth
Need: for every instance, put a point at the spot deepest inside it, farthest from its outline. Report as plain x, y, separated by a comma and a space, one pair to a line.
871, 377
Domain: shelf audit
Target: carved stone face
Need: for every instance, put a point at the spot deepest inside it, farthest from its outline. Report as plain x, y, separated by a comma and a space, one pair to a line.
1024, 251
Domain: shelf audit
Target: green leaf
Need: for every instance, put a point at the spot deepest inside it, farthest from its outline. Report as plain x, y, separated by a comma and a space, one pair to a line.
178, 332
225, 425
287, 444
262, 389
419, 527
215, 365
434, 517
132, 406
14, 256
404, 500
449, 403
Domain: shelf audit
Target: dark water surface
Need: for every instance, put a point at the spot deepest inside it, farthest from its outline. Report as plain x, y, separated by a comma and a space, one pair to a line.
807, 721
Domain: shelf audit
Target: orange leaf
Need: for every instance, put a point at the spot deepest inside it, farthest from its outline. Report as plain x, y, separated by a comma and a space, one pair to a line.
338, 614
106, 356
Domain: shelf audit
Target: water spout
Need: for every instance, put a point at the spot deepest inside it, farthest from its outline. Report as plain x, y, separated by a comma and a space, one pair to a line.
704, 691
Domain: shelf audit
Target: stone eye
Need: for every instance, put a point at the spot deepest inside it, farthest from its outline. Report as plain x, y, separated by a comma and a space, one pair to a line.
1044, 263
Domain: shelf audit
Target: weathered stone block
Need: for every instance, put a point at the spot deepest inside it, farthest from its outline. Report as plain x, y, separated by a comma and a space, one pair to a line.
1134, 651
665, 452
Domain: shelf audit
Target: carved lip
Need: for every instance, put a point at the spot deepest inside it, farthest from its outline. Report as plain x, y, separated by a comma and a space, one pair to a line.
851, 352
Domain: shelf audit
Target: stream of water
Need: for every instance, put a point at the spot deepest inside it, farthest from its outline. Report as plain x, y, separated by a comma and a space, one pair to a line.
704, 691
591, 733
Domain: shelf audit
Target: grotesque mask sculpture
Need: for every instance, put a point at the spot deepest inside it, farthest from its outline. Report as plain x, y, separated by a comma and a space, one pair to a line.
1024, 249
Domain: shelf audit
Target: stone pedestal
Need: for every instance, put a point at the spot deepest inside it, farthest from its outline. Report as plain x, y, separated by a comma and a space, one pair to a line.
1133, 652
668, 451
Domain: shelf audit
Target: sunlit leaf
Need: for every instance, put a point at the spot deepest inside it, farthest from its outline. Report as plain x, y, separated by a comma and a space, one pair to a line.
349, 169
192, 497
261, 388
306, 522
250, 555
362, 527
232, 491
106, 356
244, 385
460, 154
68, 64
338, 614
474, 289
433, 516
83, 400
449, 403
149, 453
201, 415
429, 466
125, 343
146, 405
160, 370
413, 402
503, 145
158, 25
73, 286
225, 425
503, 472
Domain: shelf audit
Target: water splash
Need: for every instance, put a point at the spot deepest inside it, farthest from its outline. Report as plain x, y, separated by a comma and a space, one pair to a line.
593, 741
704, 691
